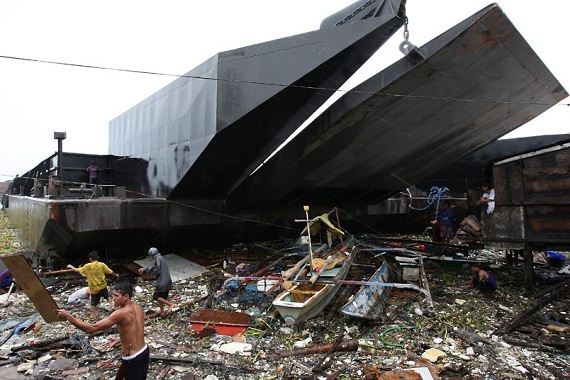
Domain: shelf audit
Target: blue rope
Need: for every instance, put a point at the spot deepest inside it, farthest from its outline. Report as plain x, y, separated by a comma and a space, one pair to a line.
434, 196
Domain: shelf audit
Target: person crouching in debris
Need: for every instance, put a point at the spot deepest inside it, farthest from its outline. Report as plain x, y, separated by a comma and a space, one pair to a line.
470, 227
78, 295
482, 283
163, 282
129, 319
95, 272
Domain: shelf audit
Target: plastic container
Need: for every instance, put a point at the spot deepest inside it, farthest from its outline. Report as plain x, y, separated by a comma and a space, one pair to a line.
555, 259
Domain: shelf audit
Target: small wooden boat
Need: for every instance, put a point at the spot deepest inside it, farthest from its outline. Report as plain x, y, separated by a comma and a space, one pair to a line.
369, 301
309, 296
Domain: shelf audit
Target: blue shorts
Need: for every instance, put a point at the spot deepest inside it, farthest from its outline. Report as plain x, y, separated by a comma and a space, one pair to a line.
6, 283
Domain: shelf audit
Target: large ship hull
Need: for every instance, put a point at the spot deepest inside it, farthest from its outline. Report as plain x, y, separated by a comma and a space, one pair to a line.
190, 155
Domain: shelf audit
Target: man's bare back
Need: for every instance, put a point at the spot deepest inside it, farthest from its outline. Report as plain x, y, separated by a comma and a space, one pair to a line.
129, 320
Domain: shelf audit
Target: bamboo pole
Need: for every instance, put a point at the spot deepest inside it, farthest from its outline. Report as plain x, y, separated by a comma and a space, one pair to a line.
56, 272
323, 267
292, 271
338, 224
306, 208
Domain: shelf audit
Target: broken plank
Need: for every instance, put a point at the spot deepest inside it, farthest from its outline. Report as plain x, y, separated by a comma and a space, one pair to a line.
40, 344
350, 345
526, 343
30, 283
134, 267
507, 327
321, 366
553, 288
199, 360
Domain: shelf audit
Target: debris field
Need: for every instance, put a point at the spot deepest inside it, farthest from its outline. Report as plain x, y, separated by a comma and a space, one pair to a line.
508, 335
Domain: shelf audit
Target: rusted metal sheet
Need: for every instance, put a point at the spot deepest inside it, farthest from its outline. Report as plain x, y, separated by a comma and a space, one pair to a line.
539, 178
548, 222
505, 228
547, 177
30, 283
533, 198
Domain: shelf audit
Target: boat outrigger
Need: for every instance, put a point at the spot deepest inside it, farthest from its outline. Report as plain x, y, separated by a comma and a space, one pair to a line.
317, 278
306, 299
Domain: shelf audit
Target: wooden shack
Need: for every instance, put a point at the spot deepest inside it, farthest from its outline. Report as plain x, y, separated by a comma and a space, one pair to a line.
532, 204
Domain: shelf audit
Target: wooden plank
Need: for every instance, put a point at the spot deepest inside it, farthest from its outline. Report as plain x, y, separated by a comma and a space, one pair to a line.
54, 272
30, 283
134, 267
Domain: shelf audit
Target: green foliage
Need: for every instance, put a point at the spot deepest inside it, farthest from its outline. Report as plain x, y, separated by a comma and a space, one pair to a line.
9, 242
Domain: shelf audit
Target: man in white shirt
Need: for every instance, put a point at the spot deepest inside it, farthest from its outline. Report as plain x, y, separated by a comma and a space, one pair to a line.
488, 198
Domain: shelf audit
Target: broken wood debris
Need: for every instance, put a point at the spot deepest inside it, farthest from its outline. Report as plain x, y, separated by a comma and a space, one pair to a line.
198, 360
40, 344
56, 272
351, 345
321, 364
178, 354
507, 327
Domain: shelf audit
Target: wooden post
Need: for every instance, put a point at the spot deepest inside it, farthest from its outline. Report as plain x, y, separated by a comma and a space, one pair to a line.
338, 224
306, 208
529, 269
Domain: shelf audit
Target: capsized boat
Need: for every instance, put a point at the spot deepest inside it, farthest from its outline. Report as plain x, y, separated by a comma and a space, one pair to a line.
306, 299
370, 300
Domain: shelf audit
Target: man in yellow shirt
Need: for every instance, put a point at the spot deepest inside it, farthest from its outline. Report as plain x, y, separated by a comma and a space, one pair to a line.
95, 272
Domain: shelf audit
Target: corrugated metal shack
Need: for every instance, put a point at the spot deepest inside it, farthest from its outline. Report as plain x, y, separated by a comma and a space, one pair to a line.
532, 211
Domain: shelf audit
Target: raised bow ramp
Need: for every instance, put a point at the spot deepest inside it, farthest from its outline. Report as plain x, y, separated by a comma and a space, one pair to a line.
477, 82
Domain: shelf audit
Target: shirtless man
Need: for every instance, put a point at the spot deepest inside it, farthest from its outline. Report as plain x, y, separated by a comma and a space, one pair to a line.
470, 226
129, 319
482, 283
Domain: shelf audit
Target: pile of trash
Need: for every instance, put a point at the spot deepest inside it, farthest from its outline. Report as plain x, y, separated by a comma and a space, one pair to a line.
505, 336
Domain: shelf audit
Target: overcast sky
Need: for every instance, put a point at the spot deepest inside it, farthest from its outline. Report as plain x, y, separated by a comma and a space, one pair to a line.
172, 37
